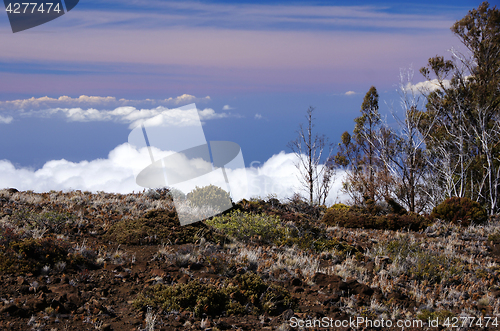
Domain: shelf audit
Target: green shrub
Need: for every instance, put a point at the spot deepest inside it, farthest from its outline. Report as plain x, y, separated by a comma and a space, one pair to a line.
212, 196
245, 226
159, 226
21, 256
340, 206
460, 209
495, 237
357, 217
52, 221
410, 221
418, 262
346, 218
282, 226
194, 296
163, 193
295, 209
246, 293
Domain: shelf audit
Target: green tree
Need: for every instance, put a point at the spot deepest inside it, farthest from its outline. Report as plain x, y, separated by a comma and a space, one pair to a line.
359, 155
466, 106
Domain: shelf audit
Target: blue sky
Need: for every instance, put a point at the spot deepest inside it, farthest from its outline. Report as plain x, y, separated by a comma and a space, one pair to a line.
257, 65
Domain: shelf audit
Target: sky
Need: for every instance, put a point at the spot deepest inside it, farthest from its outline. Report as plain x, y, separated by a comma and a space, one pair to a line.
72, 89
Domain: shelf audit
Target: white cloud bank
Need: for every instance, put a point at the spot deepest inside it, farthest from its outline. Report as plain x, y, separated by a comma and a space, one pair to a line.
130, 115
116, 173
95, 102
94, 108
126, 114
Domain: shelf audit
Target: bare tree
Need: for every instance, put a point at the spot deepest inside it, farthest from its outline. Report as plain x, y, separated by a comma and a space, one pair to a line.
315, 178
403, 150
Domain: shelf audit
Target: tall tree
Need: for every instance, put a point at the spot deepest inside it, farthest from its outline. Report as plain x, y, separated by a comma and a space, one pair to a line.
359, 154
466, 106
316, 178
402, 149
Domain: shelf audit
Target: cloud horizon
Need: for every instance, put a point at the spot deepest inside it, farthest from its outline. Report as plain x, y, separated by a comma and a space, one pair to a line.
116, 174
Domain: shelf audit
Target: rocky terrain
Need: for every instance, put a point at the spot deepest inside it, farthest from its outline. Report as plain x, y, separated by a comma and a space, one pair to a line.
101, 261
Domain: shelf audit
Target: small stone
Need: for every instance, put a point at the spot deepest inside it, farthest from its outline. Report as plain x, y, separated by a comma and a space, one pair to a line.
21, 281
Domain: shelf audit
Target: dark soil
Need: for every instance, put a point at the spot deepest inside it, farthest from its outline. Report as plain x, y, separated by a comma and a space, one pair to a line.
120, 246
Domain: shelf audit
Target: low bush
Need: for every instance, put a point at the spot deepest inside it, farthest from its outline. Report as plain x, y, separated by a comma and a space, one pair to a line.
295, 209
159, 226
410, 258
340, 206
357, 217
245, 226
270, 229
212, 196
51, 221
21, 256
461, 211
246, 293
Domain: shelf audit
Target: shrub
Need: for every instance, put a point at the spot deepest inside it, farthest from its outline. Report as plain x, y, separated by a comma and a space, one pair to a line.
355, 217
410, 221
495, 237
195, 296
340, 206
293, 210
159, 226
258, 219
212, 196
245, 226
51, 221
349, 218
409, 257
30, 255
245, 292
460, 209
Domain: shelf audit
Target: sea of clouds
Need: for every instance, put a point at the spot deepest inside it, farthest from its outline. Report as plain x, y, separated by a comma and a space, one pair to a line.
117, 173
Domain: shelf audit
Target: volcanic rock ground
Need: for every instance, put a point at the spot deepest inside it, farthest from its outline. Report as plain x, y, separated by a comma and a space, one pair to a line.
98, 293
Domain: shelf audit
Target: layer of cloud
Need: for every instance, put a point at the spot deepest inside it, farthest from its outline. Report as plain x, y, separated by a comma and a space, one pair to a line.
227, 107
132, 115
278, 175
235, 40
350, 93
95, 102
157, 116
158, 14
258, 116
